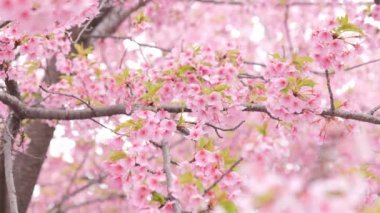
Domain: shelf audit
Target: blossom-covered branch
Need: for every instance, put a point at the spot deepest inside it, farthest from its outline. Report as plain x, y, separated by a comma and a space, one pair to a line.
119, 109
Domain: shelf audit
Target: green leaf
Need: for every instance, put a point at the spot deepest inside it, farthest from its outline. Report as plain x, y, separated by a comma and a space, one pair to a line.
151, 90
117, 155
141, 18
217, 88
98, 73
343, 20
349, 28
221, 87
263, 129
228, 97
265, 199
120, 78
285, 90
159, 198
196, 48
133, 125
278, 57
32, 66
346, 26
181, 121
369, 174
68, 78
198, 183
260, 86
232, 56
338, 104
81, 51
228, 206
205, 143
307, 83
375, 208
184, 69
300, 61
188, 178
227, 158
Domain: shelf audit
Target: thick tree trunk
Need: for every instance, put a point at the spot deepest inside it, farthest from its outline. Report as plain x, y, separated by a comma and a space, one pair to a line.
28, 168
3, 187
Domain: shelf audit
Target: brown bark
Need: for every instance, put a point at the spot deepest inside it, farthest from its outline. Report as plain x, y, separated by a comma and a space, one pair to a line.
26, 168
3, 187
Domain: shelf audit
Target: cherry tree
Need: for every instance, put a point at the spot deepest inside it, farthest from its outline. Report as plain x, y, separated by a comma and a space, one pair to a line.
189, 106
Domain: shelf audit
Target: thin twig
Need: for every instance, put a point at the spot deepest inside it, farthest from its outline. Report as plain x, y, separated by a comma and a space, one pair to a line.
29, 155
254, 63
89, 22
363, 64
122, 58
217, 129
349, 68
183, 130
87, 104
226, 129
131, 39
249, 76
74, 177
97, 200
106, 127
332, 105
4, 24
67, 95
222, 176
155, 144
372, 111
115, 18
287, 31
80, 189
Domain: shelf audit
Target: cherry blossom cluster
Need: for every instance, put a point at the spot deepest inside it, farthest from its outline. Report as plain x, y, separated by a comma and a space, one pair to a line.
376, 13
46, 16
135, 170
290, 90
293, 159
330, 53
334, 45
6, 49
204, 81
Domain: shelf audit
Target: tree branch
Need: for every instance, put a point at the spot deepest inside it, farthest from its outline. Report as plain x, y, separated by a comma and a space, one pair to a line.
102, 3
362, 64
10, 130
169, 180
67, 196
119, 109
4, 24
332, 104
372, 111
117, 15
